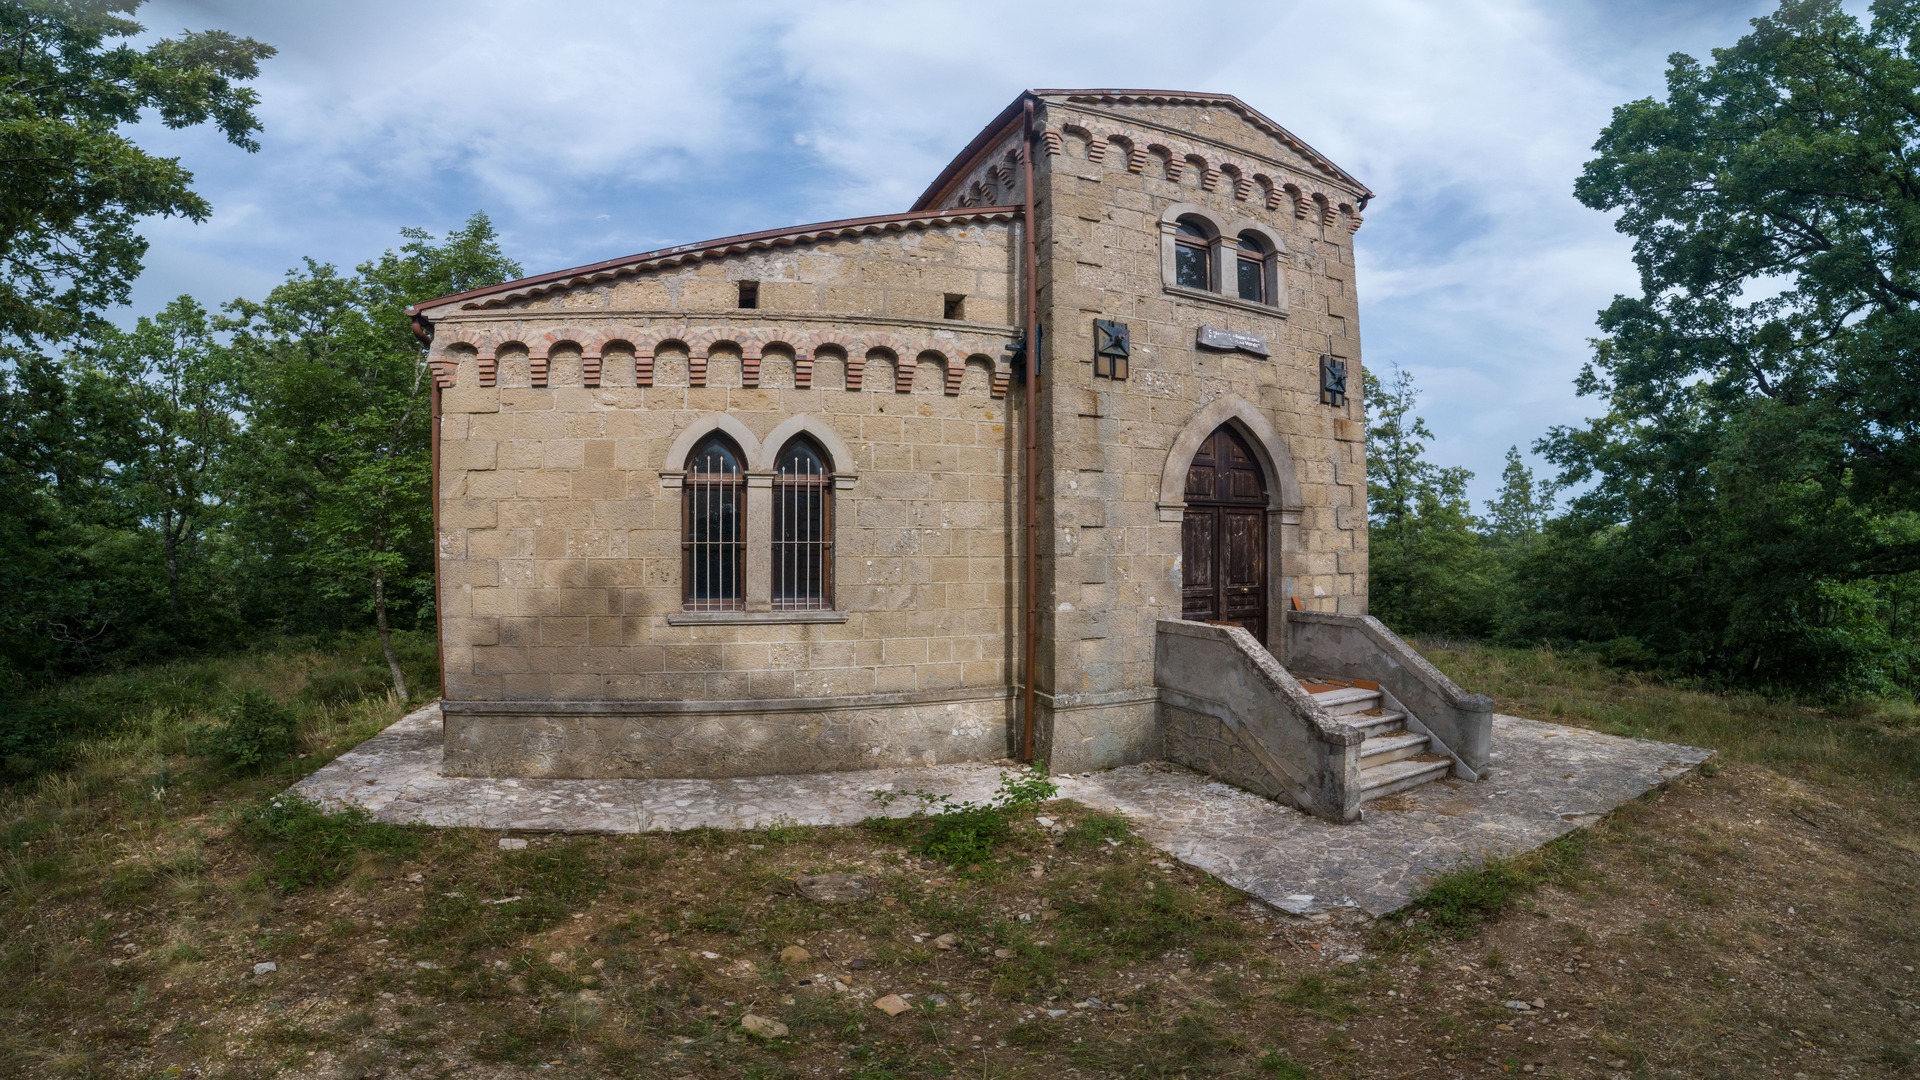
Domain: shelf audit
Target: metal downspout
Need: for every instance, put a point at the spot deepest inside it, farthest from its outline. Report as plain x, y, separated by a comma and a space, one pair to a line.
1030, 382
423, 330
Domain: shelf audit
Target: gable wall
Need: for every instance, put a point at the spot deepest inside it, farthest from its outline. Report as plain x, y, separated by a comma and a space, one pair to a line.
1111, 560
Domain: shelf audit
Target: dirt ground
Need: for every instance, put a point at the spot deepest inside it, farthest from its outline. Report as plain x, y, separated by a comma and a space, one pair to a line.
1737, 924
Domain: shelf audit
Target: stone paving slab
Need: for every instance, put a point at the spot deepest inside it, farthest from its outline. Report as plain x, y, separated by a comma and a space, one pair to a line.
1546, 780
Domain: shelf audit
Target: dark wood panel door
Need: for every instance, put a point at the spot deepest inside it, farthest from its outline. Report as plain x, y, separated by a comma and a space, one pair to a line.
1223, 536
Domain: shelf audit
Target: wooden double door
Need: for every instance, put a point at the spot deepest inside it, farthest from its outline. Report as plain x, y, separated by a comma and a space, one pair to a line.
1223, 537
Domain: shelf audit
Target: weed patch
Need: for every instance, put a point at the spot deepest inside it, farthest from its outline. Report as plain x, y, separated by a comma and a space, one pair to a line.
257, 731
306, 846
968, 833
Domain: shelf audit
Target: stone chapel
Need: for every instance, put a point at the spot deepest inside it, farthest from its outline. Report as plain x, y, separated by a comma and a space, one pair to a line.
1065, 463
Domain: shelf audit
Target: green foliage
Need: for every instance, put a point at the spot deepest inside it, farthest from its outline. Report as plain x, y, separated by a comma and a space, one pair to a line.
966, 833
70, 87
306, 846
1429, 570
1753, 490
257, 731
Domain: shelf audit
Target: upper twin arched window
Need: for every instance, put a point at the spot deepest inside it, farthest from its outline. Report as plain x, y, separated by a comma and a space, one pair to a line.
1246, 267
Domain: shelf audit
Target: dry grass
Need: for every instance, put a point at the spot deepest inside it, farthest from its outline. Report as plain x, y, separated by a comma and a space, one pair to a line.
1756, 922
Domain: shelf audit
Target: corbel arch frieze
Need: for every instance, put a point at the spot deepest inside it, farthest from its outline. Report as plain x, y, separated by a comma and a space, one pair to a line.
1276, 460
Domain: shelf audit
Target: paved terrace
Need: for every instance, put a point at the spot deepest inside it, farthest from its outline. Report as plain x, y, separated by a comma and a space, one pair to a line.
1546, 780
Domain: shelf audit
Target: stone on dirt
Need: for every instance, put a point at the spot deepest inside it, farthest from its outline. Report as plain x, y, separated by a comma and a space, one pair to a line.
834, 888
764, 1027
794, 954
265, 967
892, 1005
946, 942
510, 843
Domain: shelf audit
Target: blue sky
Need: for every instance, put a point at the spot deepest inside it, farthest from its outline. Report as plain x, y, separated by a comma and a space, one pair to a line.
589, 130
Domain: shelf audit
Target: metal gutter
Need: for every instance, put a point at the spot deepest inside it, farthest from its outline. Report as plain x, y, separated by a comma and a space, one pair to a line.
1030, 383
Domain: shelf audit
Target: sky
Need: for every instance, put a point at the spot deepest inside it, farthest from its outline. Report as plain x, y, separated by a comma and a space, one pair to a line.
589, 130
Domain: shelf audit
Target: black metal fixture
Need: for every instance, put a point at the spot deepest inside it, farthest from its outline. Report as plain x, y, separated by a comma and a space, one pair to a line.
1112, 346
1333, 381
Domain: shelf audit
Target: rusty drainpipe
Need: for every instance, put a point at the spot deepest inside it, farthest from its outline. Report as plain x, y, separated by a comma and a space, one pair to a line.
1030, 382
423, 330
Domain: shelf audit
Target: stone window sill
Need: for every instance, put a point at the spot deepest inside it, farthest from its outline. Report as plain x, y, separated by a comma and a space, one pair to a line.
1227, 301
735, 618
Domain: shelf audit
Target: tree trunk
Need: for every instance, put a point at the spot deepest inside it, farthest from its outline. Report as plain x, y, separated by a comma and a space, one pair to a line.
172, 544
386, 636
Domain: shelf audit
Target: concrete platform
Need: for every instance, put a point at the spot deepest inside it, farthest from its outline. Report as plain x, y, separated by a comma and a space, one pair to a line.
1547, 780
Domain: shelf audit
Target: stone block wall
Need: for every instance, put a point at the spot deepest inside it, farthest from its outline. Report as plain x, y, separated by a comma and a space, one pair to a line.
560, 514
1111, 532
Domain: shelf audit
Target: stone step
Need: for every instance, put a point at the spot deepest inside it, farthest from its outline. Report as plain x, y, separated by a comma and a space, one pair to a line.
1377, 722
1381, 749
1348, 699
1397, 776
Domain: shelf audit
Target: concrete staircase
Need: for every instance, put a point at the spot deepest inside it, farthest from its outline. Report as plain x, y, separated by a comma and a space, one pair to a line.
1392, 759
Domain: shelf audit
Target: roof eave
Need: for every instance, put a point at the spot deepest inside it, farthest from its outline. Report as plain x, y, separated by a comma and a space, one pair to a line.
767, 237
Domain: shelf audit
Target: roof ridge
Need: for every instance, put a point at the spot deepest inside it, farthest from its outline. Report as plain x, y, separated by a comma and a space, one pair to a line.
998, 125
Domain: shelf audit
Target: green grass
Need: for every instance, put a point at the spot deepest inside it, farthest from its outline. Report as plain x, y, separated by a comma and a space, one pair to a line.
305, 846
1868, 742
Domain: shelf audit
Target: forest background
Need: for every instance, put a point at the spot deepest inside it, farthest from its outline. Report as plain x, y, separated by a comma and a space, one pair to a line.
1743, 510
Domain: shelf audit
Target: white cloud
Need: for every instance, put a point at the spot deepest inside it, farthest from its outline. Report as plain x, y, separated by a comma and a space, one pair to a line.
595, 128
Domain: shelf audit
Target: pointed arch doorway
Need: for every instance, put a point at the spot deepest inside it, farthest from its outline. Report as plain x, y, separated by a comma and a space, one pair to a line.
1223, 535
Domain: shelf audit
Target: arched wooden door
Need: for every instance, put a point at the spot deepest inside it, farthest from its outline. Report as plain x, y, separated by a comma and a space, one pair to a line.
1223, 537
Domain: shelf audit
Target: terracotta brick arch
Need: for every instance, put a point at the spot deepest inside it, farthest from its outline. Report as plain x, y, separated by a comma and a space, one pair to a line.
446, 366
1168, 162
957, 372
751, 360
1053, 141
1302, 205
823, 347
1324, 206
1270, 195
490, 357
1347, 211
908, 371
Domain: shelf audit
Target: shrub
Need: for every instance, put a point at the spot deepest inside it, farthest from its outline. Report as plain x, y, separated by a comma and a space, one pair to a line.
964, 833
308, 846
258, 731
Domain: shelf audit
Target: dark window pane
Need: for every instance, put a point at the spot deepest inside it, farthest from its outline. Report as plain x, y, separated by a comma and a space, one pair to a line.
716, 531
802, 529
1253, 280
1190, 227
1190, 266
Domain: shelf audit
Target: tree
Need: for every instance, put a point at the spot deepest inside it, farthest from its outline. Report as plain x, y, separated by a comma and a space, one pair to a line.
170, 387
1524, 504
1755, 479
74, 184
339, 443
1428, 571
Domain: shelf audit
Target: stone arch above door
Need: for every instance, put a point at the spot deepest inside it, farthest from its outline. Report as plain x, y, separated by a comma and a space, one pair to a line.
1275, 459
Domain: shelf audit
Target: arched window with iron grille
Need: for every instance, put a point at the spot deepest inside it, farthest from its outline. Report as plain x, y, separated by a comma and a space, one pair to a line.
713, 528
802, 528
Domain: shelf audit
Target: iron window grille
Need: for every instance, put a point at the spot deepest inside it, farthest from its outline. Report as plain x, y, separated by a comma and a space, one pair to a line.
802, 529
713, 528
